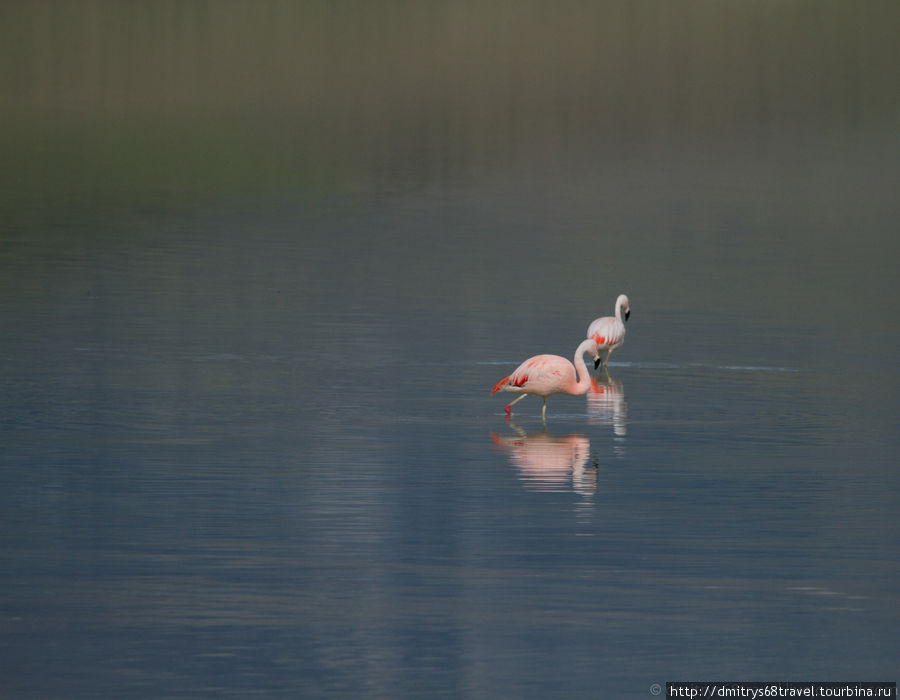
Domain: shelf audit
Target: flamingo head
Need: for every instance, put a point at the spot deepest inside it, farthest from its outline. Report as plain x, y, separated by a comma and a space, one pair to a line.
622, 302
592, 348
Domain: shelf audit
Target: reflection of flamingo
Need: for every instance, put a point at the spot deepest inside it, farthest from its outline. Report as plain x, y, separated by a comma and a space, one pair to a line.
545, 375
548, 463
606, 403
609, 332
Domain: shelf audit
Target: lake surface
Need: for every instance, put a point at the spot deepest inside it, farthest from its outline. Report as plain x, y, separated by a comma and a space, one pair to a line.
260, 270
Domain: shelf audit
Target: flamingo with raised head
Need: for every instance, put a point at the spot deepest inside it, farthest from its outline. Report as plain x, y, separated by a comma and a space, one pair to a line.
609, 331
545, 375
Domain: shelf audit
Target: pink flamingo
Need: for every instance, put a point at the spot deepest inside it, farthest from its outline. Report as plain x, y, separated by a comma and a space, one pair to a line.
609, 332
545, 375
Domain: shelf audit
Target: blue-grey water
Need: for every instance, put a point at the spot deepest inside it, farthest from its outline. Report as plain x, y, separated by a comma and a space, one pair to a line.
259, 271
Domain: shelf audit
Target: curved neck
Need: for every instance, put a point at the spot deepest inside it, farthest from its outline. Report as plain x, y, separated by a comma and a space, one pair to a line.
619, 311
584, 377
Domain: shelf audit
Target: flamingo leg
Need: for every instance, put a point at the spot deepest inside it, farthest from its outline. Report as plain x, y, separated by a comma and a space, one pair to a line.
606, 359
518, 398
544, 411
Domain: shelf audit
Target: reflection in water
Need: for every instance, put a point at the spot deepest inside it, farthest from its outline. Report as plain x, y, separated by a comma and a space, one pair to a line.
549, 463
606, 406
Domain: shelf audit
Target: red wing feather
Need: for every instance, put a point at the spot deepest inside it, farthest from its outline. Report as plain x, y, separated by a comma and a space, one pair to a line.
502, 383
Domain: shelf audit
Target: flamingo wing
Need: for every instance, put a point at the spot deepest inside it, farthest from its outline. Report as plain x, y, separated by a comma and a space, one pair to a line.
606, 332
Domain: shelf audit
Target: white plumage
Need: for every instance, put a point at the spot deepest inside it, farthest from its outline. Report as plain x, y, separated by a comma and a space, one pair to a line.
609, 331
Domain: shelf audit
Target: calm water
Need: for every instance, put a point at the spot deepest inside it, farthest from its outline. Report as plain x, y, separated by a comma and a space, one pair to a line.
259, 271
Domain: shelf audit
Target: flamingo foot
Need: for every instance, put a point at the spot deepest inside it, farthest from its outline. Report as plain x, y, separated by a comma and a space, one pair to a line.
508, 410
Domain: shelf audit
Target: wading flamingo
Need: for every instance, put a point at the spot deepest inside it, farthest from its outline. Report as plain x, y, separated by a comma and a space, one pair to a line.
545, 375
609, 331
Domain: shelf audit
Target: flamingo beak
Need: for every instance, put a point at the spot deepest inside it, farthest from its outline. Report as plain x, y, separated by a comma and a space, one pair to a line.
627, 313
597, 362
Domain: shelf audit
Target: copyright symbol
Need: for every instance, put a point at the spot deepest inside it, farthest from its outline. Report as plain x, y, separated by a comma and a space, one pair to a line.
655, 689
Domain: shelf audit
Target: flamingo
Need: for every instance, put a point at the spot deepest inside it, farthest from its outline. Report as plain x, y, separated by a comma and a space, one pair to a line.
608, 331
545, 375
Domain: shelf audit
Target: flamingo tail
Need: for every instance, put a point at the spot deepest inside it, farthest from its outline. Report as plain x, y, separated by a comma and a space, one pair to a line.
502, 383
